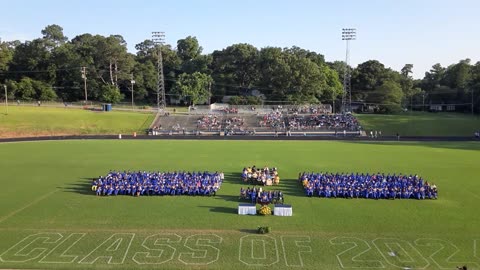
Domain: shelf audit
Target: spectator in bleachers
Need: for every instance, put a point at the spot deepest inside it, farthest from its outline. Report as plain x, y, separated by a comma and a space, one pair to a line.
229, 110
323, 121
209, 122
273, 120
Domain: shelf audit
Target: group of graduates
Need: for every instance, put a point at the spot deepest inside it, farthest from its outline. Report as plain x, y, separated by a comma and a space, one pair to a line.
263, 197
261, 176
369, 186
158, 183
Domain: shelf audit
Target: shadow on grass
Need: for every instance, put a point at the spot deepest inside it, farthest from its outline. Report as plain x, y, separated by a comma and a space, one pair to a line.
220, 209
82, 186
249, 231
228, 198
290, 188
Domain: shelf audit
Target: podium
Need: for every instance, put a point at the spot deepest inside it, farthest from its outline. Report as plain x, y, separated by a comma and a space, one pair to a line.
284, 210
247, 209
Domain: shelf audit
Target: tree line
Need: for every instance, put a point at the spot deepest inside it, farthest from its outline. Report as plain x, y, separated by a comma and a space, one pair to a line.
54, 67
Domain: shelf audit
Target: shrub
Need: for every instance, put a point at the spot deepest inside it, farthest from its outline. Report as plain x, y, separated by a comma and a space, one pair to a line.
110, 94
263, 229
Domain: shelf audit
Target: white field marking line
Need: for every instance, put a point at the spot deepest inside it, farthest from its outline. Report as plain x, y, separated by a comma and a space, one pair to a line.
28, 244
158, 243
264, 249
473, 194
257, 264
354, 258
28, 205
440, 242
305, 239
395, 239
66, 250
220, 239
475, 249
111, 256
409, 258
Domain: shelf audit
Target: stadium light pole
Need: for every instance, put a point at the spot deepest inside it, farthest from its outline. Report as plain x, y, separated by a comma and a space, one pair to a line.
348, 34
84, 77
132, 81
158, 39
6, 98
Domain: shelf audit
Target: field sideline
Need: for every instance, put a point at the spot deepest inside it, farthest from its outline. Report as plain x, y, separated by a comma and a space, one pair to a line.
50, 219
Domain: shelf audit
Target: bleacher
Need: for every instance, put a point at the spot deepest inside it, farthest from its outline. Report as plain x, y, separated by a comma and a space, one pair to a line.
257, 120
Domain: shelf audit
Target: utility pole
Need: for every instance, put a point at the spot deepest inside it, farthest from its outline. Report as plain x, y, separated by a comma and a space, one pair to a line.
333, 102
347, 35
209, 93
423, 101
132, 81
84, 77
158, 39
6, 98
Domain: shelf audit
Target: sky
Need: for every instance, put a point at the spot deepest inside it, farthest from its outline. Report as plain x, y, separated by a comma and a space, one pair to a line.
418, 32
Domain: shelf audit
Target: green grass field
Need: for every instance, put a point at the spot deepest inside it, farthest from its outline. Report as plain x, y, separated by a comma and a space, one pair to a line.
46, 121
49, 218
421, 124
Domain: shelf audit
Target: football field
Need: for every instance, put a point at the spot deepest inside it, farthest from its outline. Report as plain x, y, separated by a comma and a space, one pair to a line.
50, 219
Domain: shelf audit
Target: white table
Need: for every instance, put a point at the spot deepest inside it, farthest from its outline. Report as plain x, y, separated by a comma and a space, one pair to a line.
247, 209
284, 210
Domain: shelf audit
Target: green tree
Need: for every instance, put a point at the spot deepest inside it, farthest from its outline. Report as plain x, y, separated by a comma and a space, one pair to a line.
193, 87
32, 58
368, 76
339, 67
69, 83
406, 82
389, 96
200, 64
110, 94
188, 48
29, 90
53, 36
6, 55
475, 85
235, 68
146, 58
302, 53
43, 91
